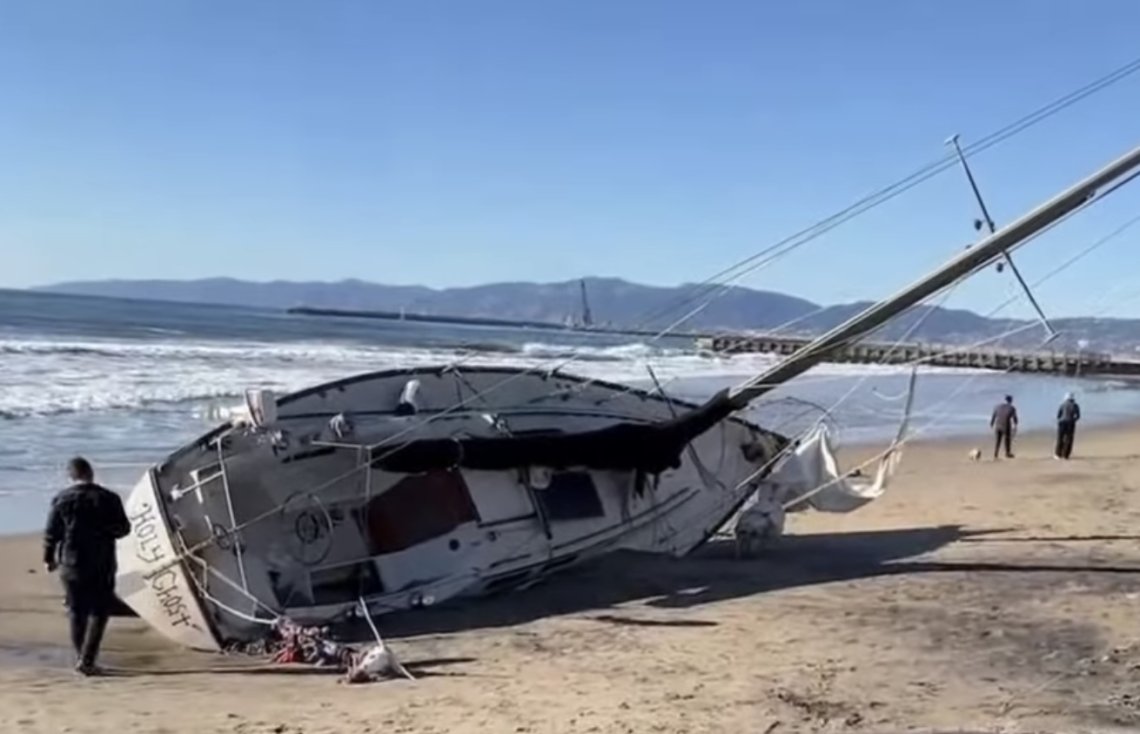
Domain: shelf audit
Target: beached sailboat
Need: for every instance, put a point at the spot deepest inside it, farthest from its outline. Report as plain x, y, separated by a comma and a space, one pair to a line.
411, 487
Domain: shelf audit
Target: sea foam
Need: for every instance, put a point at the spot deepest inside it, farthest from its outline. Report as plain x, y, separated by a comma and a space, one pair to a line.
45, 377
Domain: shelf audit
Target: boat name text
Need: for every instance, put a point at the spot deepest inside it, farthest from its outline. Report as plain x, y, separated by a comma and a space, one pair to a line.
150, 549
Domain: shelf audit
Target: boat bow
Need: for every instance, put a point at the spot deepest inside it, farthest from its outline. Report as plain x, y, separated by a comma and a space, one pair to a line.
153, 580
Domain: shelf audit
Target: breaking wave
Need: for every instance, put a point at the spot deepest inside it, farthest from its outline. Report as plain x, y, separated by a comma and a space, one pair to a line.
620, 353
48, 377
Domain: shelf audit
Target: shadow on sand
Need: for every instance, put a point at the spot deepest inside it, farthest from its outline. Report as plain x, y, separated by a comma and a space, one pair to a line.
425, 668
710, 575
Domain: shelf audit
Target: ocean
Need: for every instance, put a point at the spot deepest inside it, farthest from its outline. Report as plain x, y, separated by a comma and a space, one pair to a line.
123, 382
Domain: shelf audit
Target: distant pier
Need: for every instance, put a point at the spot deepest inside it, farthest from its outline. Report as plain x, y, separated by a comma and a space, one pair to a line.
1075, 364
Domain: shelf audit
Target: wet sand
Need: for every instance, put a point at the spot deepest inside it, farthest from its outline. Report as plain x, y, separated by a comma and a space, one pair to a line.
972, 596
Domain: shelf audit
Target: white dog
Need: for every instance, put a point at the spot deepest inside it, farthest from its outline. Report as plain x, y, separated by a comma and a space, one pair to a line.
975, 454
377, 662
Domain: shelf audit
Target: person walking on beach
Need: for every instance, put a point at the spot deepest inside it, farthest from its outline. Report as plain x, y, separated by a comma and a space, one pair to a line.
1004, 423
1067, 416
84, 522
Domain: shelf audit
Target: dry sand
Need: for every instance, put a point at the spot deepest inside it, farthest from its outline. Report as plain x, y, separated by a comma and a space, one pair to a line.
973, 596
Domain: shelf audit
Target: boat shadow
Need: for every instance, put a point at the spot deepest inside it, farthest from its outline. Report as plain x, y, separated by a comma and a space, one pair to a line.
421, 668
711, 574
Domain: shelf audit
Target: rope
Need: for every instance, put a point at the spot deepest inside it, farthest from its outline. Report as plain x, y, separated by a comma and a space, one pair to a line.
895, 446
767, 465
225, 579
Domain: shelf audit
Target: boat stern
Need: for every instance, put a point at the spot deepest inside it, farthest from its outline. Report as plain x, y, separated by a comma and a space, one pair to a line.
152, 579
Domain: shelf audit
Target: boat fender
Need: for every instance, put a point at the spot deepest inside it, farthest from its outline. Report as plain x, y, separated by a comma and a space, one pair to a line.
280, 442
341, 426
759, 525
540, 477
262, 407
407, 403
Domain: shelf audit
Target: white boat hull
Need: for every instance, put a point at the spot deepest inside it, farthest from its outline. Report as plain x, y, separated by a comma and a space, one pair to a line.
319, 527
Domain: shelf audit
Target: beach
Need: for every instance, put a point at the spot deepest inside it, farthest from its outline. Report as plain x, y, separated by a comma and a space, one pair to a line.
984, 596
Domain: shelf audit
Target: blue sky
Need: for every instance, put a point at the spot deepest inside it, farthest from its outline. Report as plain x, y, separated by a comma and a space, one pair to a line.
454, 143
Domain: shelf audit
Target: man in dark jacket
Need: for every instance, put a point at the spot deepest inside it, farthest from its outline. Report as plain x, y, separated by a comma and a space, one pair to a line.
83, 525
1067, 416
1004, 423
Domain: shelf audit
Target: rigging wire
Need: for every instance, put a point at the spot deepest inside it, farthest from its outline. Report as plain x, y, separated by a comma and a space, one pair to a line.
919, 361
763, 469
1048, 276
827, 412
925, 172
1097, 244
192, 550
789, 244
784, 247
1057, 270
331, 482
929, 310
925, 315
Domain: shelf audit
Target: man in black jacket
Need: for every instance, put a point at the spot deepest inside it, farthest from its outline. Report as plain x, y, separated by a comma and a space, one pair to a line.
83, 525
1067, 416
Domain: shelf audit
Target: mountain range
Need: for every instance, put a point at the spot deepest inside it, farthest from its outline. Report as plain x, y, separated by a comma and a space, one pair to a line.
618, 303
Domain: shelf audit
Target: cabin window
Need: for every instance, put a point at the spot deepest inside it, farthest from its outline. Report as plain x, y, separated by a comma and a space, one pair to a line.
498, 498
570, 496
417, 508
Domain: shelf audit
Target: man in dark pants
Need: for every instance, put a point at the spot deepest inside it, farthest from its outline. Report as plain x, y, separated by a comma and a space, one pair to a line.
1004, 423
1067, 416
82, 527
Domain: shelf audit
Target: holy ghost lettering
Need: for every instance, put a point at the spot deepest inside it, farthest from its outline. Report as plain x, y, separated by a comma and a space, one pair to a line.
150, 549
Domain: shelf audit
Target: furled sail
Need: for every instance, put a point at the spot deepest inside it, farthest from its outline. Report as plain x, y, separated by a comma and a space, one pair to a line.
648, 447
811, 476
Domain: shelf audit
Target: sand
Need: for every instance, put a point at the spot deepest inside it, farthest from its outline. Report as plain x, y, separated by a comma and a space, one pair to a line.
973, 596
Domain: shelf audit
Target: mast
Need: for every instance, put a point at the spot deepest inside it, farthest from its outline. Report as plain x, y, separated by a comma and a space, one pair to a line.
587, 317
991, 247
